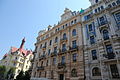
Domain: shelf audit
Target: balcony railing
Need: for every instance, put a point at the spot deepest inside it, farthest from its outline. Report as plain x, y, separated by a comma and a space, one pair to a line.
40, 68
44, 47
63, 39
109, 55
62, 51
54, 53
73, 48
42, 57
61, 65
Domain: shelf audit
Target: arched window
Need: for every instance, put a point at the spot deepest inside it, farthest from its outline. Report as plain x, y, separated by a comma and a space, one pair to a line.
74, 32
96, 71
105, 35
74, 73
64, 36
56, 39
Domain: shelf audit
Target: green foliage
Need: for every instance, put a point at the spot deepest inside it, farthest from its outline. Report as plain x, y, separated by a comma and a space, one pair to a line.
23, 76
26, 76
20, 76
2, 72
10, 73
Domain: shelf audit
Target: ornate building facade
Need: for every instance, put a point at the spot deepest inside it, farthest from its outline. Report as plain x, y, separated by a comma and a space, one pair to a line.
17, 58
59, 50
84, 45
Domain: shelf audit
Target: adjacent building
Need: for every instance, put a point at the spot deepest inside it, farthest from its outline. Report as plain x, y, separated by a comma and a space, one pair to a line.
18, 58
101, 31
84, 45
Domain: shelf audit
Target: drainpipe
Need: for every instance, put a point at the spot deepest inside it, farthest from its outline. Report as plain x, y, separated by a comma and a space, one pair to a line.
83, 52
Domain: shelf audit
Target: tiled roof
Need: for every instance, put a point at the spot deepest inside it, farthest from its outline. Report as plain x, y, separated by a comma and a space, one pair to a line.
23, 51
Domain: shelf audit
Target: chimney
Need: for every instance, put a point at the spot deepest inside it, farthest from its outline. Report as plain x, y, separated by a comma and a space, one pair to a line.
22, 44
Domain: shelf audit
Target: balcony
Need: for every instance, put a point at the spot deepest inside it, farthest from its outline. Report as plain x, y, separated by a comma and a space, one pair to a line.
54, 53
44, 47
74, 48
62, 51
40, 68
61, 65
109, 57
63, 40
42, 57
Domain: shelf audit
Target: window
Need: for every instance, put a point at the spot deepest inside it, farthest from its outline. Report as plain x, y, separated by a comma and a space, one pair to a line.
18, 71
105, 35
41, 63
118, 1
117, 15
95, 10
109, 49
110, 53
109, 6
98, 8
45, 74
90, 27
92, 40
102, 7
47, 63
71, 22
66, 25
114, 4
16, 58
63, 47
40, 74
96, 71
45, 44
74, 32
74, 73
74, 57
54, 61
49, 52
58, 29
102, 20
56, 39
117, 19
75, 20
50, 42
63, 27
55, 30
64, 36
94, 54
63, 60
55, 50
96, 1
114, 71
41, 46
74, 44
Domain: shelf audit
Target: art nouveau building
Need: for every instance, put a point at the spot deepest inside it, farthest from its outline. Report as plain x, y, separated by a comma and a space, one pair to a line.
18, 58
101, 32
59, 50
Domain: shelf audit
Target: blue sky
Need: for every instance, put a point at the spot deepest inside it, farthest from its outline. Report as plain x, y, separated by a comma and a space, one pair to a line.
24, 18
